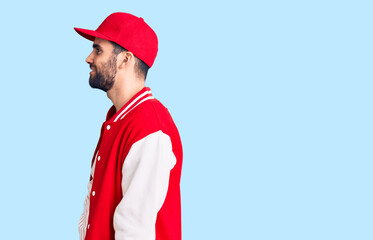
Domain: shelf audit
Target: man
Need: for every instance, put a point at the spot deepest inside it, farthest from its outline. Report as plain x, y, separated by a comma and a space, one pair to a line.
134, 187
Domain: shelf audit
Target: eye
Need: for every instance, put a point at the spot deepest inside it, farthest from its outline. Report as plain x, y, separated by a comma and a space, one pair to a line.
98, 51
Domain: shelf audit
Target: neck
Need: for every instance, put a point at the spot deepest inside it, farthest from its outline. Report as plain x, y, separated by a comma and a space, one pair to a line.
122, 92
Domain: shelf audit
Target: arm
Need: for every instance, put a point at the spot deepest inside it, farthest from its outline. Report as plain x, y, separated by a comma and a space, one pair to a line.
145, 177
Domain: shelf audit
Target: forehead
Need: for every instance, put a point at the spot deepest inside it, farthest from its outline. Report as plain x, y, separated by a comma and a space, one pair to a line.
105, 44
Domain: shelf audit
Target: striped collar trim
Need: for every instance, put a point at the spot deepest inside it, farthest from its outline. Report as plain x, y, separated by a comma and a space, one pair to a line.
144, 95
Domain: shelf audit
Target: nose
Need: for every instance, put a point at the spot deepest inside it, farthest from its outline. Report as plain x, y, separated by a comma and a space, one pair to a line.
89, 59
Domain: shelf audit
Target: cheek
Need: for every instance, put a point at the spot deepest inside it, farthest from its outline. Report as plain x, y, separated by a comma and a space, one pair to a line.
97, 64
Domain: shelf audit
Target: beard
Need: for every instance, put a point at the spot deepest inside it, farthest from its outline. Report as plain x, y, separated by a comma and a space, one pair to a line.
104, 79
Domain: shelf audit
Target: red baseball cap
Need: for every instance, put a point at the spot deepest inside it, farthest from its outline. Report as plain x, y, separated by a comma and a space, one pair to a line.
128, 31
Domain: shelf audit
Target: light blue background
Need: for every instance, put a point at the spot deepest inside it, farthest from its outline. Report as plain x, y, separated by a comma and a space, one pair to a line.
273, 101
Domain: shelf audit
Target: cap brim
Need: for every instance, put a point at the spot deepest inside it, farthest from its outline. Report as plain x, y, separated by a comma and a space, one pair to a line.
90, 34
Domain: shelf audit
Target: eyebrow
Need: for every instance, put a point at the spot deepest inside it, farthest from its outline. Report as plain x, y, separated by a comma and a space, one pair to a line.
95, 45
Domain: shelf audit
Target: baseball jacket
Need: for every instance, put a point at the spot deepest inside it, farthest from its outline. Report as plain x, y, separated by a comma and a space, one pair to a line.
134, 187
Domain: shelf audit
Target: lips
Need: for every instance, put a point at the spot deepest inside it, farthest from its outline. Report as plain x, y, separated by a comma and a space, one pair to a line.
93, 69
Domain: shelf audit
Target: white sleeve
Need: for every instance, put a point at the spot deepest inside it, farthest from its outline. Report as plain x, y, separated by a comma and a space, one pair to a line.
145, 177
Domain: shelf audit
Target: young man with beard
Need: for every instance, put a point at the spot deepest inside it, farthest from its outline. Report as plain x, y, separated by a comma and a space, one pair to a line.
134, 187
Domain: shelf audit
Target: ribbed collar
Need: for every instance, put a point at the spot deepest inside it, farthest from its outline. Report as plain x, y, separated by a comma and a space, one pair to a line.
143, 95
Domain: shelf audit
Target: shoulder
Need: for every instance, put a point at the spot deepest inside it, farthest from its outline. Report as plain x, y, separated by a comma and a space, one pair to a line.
152, 113
148, 117
152, 120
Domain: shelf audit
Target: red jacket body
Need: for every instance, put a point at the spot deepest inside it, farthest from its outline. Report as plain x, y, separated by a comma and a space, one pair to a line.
135, 192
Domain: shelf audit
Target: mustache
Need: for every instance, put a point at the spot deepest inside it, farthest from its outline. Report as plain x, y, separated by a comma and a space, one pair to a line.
92, 66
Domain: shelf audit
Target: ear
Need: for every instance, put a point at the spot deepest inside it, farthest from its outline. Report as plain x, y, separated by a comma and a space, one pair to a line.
126, 58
